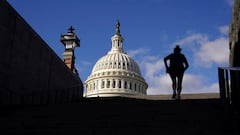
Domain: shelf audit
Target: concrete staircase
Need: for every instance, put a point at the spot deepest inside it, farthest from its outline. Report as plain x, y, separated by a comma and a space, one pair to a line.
119, 116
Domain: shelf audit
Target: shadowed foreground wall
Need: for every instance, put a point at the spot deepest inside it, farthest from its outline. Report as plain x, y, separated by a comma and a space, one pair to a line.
30, 72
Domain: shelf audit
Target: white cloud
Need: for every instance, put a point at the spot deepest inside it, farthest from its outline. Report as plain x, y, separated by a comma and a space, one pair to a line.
198, 84
213, 52
192, 39
153, 69
207, 52
133, 53
161, 84
153, 65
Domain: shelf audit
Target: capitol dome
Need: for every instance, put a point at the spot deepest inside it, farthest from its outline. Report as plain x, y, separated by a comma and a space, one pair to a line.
115, 74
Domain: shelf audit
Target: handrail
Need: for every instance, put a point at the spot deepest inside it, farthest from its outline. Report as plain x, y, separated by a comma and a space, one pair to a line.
230, 68
229, 78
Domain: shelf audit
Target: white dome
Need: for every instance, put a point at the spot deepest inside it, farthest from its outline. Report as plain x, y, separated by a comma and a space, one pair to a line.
115, 74
116, 61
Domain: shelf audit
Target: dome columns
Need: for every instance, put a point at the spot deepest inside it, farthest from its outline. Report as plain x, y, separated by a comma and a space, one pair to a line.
117, 44
114, 85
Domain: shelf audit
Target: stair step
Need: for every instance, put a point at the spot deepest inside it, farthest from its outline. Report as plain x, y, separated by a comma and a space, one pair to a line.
118, 116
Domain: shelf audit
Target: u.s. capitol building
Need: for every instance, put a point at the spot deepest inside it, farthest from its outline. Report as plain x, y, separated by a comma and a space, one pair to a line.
115, 74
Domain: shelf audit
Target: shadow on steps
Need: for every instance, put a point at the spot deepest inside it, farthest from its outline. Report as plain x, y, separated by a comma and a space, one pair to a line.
120, 116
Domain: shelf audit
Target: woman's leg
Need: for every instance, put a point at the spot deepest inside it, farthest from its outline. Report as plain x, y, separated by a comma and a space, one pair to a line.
179, 84
174, 84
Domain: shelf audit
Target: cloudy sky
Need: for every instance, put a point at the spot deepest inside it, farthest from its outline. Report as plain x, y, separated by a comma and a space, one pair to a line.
151, 29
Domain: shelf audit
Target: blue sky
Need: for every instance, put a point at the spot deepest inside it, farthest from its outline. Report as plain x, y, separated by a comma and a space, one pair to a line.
151, 29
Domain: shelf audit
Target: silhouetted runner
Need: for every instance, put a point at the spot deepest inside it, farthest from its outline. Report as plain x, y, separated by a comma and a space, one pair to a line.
175, 67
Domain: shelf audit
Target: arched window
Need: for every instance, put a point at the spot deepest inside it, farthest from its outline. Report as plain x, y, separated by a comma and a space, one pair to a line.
108, 83
125, 84
114, 83
130, 85
103, 84
119, 84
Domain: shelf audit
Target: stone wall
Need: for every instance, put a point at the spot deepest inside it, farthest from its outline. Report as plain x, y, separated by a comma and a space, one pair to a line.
30, 71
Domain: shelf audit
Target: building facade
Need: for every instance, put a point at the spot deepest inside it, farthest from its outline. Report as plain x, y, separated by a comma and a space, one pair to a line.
234, 57
234, 34
115, 74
